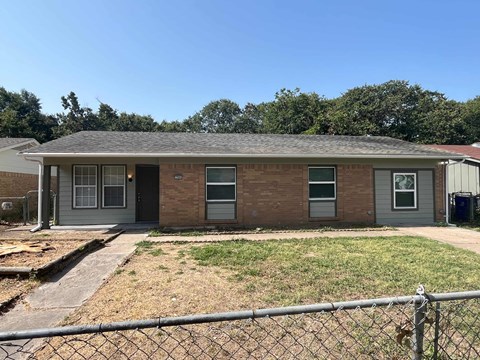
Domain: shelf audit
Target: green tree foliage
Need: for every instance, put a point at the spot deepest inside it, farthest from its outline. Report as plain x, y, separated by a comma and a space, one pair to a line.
394, 108
250, 120
439, 121
79, 118
218, 116
172, 126
135, 122
293, 112
387, 109
471, 117
76, 118
21, 116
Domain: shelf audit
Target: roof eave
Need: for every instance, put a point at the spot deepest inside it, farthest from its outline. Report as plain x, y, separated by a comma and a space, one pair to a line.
20, 144
209, 155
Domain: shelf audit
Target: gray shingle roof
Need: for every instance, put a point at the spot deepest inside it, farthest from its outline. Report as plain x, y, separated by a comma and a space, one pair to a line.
103, 143
10, 142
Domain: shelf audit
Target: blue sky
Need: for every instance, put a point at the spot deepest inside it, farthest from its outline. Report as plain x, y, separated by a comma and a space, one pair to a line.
170, 58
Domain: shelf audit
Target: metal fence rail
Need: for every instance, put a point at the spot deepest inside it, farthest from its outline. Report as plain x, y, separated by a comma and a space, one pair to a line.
24, 208
430, 326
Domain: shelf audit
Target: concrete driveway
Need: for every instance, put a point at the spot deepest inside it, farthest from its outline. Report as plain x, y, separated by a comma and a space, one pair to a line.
456, 236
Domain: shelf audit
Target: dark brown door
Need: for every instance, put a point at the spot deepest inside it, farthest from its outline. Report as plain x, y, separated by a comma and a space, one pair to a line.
147, 193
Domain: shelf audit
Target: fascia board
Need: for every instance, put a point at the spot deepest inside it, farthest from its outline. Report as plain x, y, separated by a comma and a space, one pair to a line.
209, 155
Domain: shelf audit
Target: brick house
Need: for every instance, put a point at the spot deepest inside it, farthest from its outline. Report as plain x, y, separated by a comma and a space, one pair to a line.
196, 180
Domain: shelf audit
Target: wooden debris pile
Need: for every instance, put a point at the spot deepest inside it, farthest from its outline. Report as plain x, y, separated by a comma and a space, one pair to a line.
8, 248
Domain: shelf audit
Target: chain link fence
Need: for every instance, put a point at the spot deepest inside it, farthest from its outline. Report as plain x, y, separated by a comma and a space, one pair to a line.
434, 326
24, 208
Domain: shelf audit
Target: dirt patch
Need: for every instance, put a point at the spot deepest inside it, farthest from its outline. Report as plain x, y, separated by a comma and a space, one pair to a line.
54, 250
59, 243
10, 288
24, 233
180, 287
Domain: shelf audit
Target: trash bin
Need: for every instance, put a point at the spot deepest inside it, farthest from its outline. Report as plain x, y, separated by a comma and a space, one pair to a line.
464, 207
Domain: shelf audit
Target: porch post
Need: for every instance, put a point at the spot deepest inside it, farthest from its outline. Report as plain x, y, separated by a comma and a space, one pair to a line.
46, 197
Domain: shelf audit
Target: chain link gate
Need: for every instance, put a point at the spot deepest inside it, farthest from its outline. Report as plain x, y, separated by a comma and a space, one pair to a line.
424, 326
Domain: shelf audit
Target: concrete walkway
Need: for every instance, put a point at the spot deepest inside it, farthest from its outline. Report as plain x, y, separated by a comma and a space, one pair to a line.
47, 305
459, 237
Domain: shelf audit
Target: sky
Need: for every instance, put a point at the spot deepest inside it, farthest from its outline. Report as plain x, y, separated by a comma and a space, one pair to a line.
170, 58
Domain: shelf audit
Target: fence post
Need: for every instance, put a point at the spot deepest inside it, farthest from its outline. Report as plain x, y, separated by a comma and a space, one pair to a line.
24, 210
28, 208
437, 331
420, 308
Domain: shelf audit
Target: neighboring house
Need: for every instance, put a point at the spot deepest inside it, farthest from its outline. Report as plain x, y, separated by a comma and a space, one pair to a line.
185, 179
17, 175
464, 175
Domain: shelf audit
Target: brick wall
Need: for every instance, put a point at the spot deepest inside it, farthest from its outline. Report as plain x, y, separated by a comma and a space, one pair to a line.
272, 194
182, 202
355, 194
267, 194
17, 184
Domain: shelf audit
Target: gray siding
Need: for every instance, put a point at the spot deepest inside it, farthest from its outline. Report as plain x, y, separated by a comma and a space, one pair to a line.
319, 209
70, 216
221, 211
383, 199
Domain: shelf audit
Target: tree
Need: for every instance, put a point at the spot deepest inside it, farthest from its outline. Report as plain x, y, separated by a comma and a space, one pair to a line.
107, 116
292, 112
250, 120
471, 118
440, 122
172, 126
218, 116
399, 110
134, 122
387, 109
77, 118
21, 116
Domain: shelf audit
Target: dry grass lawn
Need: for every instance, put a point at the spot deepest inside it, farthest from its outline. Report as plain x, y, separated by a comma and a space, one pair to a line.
180, 279
164, 281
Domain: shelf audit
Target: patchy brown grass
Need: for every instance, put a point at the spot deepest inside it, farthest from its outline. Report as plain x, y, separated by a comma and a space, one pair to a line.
179, 279
163, 280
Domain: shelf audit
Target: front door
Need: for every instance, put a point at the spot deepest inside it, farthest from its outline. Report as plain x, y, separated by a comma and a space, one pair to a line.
147, 193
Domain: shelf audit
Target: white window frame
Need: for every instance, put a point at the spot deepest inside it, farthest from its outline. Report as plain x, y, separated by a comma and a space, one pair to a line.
124, 187
218, 183
334, 182
414, 191
75, 187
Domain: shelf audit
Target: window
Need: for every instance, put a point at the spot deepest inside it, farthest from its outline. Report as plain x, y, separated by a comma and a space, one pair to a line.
113, 186
404, 191
221, 193
321, 183
221, 184
84, 186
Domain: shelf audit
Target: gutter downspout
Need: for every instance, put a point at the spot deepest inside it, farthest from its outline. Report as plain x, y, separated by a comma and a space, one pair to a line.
447, 202
40, 190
